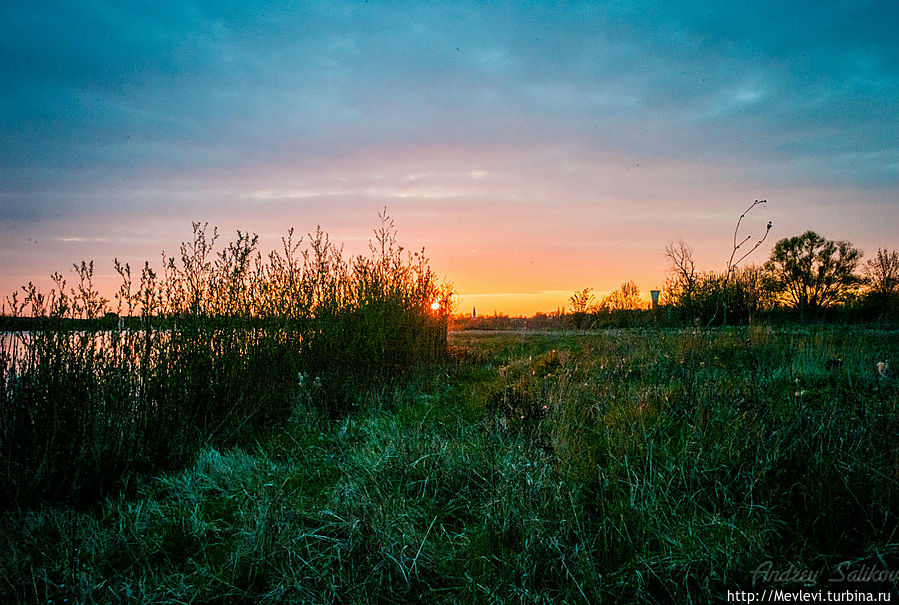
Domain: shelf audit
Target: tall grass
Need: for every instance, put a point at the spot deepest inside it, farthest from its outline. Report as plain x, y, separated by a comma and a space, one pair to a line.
211, 349
629, 466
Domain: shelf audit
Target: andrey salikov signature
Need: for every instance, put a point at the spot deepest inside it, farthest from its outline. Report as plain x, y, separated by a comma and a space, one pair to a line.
767, 573
845, 572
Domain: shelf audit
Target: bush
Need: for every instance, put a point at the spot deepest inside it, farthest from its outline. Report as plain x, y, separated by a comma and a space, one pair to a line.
717, 299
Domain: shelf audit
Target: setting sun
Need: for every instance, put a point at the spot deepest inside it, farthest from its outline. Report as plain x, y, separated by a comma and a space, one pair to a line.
660, 241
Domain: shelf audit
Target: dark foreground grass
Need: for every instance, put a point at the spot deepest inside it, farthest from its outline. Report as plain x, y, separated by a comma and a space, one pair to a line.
621, 466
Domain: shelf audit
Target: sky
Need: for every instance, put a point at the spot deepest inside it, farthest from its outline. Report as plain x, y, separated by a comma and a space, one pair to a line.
533, 149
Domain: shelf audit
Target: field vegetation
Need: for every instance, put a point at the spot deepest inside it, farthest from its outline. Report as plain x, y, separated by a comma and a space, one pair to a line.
302, 427
613, 466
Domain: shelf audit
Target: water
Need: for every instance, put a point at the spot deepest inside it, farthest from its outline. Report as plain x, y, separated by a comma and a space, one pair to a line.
130, 349
23, 349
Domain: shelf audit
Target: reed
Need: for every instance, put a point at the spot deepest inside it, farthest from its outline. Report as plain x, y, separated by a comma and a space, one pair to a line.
215, 347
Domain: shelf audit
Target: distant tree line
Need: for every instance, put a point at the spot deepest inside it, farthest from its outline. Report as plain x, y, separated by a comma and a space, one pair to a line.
805, 277
621, 307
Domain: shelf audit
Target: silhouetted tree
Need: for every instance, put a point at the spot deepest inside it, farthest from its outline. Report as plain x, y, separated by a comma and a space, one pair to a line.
882, 272
809, 272
582, 301
680, 282
624, 298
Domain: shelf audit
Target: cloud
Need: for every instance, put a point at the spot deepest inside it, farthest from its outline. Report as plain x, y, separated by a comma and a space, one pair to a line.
197, 85
571, 124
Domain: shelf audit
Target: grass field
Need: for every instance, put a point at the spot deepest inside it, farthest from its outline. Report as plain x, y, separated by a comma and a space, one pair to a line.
607, 466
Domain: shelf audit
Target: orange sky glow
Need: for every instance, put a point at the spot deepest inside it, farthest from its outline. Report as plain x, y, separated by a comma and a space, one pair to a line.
532, 150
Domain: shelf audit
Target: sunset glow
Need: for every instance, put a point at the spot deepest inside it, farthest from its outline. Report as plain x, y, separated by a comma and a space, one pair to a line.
532, 151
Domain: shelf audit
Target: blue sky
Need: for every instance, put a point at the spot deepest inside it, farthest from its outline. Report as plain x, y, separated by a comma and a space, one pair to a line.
533, 148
